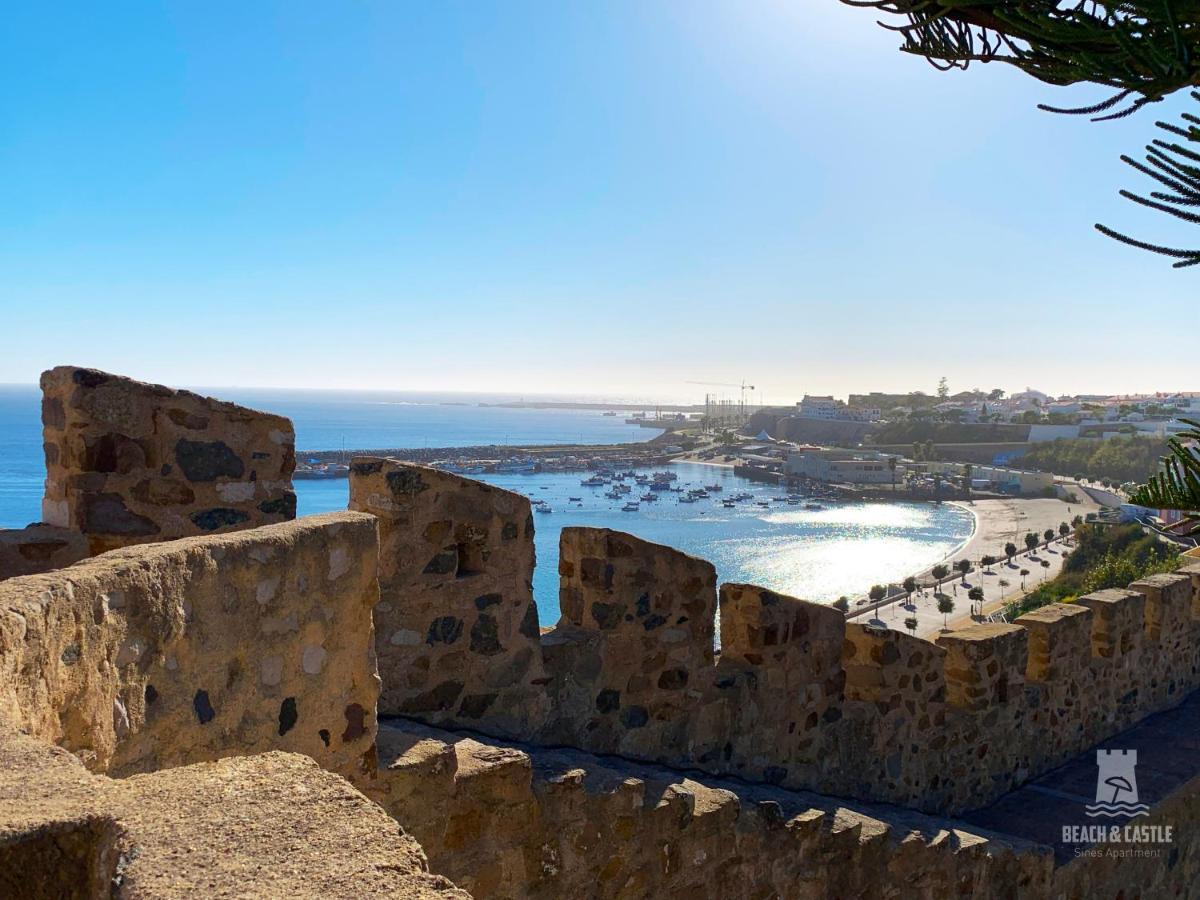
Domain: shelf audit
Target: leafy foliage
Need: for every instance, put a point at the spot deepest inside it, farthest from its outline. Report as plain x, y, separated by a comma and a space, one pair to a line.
1104, 557
1119, 458
1177, 484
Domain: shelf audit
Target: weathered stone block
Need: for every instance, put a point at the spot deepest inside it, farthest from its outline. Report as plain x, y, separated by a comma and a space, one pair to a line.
456, 626
130, 463
39, 548
190, 650
1168, 606
1060, 639
985, 665
1118, 623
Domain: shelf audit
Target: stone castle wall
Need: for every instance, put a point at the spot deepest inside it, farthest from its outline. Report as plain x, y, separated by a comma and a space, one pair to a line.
798, 697
456, 626
129, 463
174, 653
39, 548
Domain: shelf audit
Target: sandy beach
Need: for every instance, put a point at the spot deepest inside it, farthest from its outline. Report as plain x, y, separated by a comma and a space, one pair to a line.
999, 521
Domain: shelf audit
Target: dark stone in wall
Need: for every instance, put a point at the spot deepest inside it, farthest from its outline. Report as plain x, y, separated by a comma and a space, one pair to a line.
444, 563
355, 727
113, 453
287, 715
635, 717
405, 481
204, 710
608, 700
107, 514
529, 624
162, 493
280, 506
90, 377
607, 615
323, 734
151, 694
220, 517
484, 638
367, 468
53, 414
475, 705
185, 419
439, 699
673, 679
482, 603
207, 460
509, 532
445, 630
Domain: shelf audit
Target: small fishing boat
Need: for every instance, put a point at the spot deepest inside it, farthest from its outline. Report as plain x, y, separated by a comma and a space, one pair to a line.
544, 509
613, 495
629, 507
594, 481
763, 503
687, 498
713, 488
575, 499
650, 498
728, 504
813, 506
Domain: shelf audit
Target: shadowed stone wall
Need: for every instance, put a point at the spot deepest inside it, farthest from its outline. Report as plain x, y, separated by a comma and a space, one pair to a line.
456, 625
200, 648
38, 548
129, 463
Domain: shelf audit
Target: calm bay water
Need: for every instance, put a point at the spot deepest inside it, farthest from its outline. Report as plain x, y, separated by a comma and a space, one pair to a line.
818, 555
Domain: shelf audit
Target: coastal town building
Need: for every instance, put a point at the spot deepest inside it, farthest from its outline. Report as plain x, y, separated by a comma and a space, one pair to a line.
843, 466
818, 407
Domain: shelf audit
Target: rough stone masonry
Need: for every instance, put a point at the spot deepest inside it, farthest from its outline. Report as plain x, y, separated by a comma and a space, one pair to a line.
129, 463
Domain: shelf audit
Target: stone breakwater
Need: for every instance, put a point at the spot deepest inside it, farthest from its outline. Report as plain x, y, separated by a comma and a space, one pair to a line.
234, 683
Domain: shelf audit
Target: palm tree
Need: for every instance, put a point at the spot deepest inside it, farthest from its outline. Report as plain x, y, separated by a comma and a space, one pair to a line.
911, 624
1177, 486
910, 585
937, 485
1024, 572
966, 477
1010, 550
963, 566
945, 607
939, 572
1064, 529
988, 562
892, 466
1048, 534
842, 603
1031, 541
877, 592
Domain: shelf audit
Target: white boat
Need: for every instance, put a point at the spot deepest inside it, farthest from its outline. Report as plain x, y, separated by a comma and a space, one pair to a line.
544, 509
629, 507
713, 487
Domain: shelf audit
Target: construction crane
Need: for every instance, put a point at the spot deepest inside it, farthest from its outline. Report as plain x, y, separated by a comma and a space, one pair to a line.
743, 387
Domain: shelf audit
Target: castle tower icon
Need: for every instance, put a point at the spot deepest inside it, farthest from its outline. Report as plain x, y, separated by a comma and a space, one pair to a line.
1116, 785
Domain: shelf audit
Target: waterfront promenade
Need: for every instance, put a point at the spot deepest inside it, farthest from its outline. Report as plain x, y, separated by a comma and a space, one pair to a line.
997, 522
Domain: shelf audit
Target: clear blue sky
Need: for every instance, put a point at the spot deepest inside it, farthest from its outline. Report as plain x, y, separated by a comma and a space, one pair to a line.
604, 198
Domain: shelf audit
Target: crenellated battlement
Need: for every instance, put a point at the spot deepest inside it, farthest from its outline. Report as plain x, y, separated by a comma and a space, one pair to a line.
796, 696
636, 756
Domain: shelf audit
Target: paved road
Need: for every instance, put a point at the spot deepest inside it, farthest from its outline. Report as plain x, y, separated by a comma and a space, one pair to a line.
1001, 583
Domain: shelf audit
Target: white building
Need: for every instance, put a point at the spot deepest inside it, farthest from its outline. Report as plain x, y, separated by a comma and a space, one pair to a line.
844, 466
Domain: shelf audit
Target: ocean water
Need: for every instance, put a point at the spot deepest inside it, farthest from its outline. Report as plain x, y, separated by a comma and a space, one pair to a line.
817, 555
